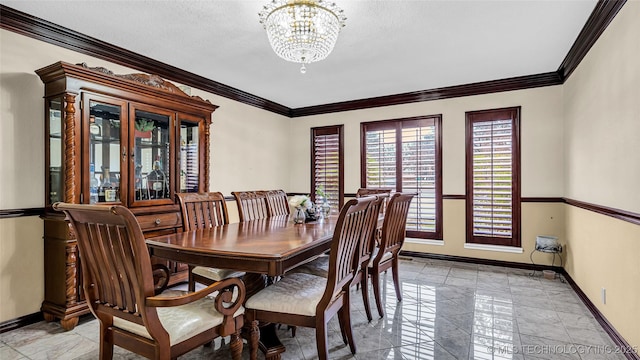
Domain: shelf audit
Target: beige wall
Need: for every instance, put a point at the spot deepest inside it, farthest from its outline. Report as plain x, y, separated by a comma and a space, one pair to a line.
602, 118
602, 153
602, 252
21, 267
537, 219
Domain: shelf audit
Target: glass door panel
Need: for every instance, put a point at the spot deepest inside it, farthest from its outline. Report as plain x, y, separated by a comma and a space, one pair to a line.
189, 158
56, 173
105, 148
151, 155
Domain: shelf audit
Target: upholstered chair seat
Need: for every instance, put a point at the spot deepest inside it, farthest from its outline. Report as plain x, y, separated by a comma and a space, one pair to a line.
183, 321
297, 293
386, 256
216, 274
319, 267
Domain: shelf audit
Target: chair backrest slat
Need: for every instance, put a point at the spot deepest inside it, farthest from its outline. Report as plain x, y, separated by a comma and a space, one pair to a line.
252, 205
203, 210
277, 203
116, 266
368, 243
357, 220
395, 223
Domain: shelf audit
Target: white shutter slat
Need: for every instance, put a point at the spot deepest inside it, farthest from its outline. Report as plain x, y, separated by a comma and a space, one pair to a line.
327, 166
492, 177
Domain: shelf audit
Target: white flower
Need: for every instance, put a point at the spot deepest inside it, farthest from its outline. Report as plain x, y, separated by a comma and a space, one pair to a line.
300, 200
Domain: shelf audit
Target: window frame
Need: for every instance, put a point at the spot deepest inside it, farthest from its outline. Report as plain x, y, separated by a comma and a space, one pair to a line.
397, 125
329, 130
471, 117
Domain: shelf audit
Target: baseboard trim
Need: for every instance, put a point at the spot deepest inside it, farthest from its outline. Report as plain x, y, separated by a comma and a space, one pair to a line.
606, 325
20, 322
464, 259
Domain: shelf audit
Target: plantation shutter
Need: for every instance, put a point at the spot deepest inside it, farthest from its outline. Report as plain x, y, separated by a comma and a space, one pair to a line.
327, 164
492, 196
493, 202
380, 149
419, 173
404, 155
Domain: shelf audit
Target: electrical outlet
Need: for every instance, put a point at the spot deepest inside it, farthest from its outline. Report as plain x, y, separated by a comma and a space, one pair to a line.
604, 295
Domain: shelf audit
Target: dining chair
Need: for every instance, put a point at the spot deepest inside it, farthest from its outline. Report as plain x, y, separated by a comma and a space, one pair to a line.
202, 211
252, 205
307, 300
277, 203
364, 254
385, 256
118, 285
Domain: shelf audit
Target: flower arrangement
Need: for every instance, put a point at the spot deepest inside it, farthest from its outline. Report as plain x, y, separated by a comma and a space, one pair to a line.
302, 201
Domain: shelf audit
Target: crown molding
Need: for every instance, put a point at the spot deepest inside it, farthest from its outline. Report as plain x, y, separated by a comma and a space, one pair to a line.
39, 29
600, 18
485, 87
36, 28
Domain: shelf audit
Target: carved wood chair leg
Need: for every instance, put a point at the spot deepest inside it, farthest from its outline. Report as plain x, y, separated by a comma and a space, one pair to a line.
322, 342
346, 311
375, 279
342, 320
254, 337
236, 346
396, 281
365, 293
106, 342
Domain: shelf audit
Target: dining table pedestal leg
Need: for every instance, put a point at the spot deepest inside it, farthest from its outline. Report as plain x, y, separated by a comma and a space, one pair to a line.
268, 343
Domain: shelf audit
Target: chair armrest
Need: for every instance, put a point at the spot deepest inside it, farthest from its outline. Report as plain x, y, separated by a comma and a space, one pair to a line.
224, 299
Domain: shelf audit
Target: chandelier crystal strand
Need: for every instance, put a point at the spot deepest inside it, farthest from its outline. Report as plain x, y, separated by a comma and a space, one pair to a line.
302, 31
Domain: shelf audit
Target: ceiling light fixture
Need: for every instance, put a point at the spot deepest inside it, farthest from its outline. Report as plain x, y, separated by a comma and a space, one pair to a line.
302, 31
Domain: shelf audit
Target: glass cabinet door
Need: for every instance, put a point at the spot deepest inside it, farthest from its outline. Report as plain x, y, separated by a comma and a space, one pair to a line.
106, 151
151, 155
189, 156
55, 189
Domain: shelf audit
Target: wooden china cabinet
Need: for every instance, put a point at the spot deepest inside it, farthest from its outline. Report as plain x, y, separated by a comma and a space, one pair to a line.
134, 140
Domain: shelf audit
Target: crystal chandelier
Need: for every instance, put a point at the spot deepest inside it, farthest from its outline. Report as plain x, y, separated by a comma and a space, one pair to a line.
302, 31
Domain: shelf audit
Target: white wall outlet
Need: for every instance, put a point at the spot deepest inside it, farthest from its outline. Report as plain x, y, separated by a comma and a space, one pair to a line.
604, 295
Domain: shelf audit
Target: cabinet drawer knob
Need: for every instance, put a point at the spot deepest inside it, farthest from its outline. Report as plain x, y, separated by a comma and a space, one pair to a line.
157, 221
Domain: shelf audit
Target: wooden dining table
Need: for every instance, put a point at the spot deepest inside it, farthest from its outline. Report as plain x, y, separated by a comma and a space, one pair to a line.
265, 249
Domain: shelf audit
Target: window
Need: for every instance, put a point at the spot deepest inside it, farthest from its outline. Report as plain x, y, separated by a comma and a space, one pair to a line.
405, 155
493, 177
328, 164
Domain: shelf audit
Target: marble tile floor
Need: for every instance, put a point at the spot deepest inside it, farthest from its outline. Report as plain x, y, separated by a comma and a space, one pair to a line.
450, 310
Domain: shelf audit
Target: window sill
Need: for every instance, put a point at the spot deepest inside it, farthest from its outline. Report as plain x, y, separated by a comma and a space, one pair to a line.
424, 241
496, 248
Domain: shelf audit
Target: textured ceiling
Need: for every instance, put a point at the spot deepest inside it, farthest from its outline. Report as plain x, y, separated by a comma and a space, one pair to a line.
386, 48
